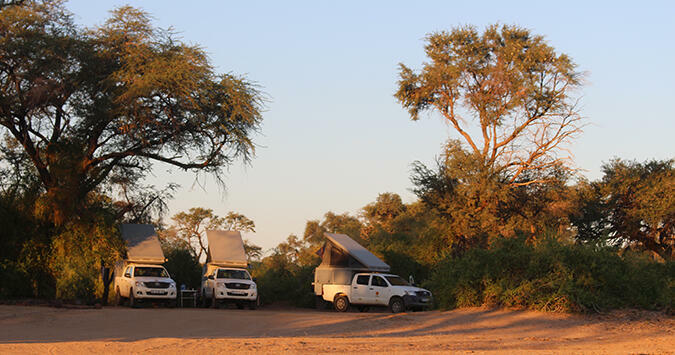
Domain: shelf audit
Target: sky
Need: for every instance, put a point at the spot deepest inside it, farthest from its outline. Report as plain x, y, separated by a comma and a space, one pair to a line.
333, 136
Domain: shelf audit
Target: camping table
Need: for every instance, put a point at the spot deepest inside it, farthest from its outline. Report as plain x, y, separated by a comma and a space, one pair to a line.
189, 295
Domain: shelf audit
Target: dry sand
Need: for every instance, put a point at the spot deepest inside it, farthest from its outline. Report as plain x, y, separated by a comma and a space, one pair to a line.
474, 330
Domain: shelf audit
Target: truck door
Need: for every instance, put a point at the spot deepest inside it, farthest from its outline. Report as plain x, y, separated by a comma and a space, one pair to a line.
360, 290
211, 284
126, 282
380, 290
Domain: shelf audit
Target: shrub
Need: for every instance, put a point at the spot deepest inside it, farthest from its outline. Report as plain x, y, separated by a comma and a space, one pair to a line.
183, 267
552, 276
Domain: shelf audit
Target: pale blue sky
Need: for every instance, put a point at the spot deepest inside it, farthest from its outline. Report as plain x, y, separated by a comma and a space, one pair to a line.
334, 137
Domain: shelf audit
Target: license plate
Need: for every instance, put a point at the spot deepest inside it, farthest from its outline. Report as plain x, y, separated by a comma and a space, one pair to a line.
157, 292
238, 294
424, 299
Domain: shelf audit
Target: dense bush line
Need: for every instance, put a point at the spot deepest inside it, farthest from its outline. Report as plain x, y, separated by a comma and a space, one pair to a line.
552, 276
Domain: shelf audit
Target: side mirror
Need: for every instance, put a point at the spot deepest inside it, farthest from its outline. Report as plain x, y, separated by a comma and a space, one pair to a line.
210, 277
127, 275
255, 279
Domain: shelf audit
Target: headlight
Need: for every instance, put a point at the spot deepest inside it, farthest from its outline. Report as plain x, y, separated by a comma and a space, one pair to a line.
409, 293
140, 284
253, 286
220, 284
172, 285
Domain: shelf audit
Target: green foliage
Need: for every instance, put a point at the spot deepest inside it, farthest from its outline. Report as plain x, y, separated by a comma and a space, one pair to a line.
77, 255
632, 206
184, 268
552, 276
511, 83
281, 280
97, 107
15, 281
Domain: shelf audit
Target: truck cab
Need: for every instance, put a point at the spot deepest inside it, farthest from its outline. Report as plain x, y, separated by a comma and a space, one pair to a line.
139, 282
233, 285
377, 289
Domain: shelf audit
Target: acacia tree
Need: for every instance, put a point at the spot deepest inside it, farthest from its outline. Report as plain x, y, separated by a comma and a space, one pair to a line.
91, 107
191, 227
512, 84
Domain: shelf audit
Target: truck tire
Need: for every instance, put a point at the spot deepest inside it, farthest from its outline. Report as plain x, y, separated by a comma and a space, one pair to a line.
396, 305
118, 297
202, 299
132, 299
254, 304
214, 302
341, 303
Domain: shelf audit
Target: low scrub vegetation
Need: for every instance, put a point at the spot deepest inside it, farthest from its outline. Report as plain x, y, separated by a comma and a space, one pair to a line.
552, 276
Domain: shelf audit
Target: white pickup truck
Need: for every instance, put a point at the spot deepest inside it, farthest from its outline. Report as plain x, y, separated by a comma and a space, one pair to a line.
377, 289
139, 275
231, 285
141, 282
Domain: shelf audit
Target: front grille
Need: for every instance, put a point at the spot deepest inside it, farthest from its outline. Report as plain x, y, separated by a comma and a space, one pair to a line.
240, 294
163, 293
157, 284
237, 286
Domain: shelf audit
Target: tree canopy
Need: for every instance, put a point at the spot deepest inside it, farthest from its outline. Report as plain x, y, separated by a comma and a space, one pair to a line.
93, 107
509, 81
632, 206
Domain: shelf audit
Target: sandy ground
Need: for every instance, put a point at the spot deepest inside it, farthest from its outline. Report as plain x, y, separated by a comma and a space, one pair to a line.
474, 330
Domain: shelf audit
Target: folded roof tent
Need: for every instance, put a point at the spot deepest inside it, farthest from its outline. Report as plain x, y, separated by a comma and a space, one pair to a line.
342, 251
142, 243
341, 258
226, 248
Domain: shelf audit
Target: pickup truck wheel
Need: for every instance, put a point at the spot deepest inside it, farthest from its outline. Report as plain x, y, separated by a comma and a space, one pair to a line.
202, 299
341, 304
396, 305
253, 304
132, 299
118, 297
214, 302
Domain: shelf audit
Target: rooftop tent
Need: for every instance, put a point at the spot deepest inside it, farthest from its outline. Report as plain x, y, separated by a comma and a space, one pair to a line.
226, 248
342, 251
142, 243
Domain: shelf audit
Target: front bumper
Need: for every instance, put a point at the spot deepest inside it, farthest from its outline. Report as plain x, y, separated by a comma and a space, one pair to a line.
418, 301
229, 294
155, 294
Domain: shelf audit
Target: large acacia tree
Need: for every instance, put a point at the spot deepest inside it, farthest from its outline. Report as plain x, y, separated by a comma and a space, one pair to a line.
95, 107
506, 92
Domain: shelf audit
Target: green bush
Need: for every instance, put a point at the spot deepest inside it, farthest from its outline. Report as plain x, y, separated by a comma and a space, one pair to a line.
281, 281
184, 268
552, 276
15, 281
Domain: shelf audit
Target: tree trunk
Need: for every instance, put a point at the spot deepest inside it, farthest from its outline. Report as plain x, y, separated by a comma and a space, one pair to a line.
106, 277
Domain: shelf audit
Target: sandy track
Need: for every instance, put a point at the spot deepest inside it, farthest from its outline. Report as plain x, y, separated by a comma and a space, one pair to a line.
124, 330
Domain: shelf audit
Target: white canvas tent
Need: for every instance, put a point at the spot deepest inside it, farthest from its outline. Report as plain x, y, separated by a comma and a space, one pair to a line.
343, 251
142, 243
226, 249
341, 258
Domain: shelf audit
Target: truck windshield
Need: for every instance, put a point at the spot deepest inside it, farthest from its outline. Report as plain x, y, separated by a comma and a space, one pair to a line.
397, 281
150, 271
233, 274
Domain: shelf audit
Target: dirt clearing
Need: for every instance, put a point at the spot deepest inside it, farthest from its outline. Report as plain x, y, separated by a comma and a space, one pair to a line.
125, 330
